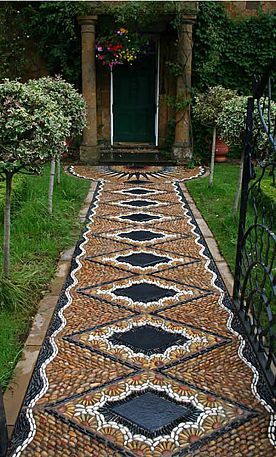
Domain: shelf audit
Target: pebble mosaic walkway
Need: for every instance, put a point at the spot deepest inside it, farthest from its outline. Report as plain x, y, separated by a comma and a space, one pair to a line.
144, 356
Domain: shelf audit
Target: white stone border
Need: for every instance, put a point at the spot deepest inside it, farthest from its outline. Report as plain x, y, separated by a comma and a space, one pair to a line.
115, 236
122, 217
125, 203
173, 437
172, 260
156, 282
111, 330
152, 192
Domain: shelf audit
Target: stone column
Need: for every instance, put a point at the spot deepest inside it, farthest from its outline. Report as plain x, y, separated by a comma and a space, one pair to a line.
182, 148
89, 150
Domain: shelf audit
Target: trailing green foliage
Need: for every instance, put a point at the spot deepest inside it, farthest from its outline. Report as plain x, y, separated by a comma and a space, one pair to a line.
13, 41
226, 51
229, 51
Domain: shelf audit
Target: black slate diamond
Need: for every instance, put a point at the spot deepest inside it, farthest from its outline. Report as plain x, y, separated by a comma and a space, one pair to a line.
143, 259
139, 217
138, 191
144, 292
141, 235
139, 203
148, 339
150, 413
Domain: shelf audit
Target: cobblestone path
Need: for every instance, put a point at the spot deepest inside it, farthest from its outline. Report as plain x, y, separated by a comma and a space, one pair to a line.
143, 356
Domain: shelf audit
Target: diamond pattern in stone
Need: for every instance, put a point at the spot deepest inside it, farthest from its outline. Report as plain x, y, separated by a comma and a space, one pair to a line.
139, 203
144, 292
152, 414
138, 191
143, 259
148, 339
139, 217
141, 235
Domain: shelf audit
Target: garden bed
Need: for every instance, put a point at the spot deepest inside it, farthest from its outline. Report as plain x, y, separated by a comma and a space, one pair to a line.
37, 241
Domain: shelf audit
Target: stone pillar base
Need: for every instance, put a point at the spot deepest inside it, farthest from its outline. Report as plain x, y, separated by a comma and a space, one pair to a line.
89, 154
182, 153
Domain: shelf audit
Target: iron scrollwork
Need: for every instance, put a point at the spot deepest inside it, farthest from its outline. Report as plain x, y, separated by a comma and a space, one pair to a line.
255, 282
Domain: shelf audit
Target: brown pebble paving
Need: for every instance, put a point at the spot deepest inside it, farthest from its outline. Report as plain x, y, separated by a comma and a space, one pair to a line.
140, 358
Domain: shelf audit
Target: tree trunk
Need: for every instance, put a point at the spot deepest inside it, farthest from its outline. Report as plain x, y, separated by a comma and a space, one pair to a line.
212, 165
7, 226
238, 193
58, 171
51, 186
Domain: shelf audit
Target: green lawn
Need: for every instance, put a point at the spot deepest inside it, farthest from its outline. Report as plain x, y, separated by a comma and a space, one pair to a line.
37, 241
216, 206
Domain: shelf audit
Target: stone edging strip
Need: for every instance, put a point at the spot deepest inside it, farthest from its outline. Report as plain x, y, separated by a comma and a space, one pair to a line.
17, 388
211, 242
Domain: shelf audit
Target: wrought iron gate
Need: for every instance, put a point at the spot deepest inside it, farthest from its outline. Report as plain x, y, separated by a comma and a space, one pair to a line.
255, 284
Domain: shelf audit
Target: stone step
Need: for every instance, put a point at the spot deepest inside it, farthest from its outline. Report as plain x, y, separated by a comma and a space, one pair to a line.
141, 156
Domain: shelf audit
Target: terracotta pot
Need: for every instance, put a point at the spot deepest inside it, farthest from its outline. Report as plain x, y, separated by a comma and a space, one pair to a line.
221, 151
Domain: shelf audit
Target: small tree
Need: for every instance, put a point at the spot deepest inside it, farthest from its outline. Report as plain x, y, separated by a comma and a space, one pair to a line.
32, 130
207, 108
72, 106
231, 124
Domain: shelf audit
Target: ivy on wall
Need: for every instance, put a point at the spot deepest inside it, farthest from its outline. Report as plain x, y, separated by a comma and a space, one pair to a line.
229, 51
226, 51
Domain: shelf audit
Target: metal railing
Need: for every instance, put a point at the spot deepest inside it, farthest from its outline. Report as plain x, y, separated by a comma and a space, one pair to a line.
255, 284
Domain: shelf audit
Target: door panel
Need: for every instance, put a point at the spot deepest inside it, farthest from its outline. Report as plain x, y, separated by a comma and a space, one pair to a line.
134, 101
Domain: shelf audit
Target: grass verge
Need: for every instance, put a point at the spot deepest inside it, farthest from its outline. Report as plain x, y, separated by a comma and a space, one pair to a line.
36, 243
216, 206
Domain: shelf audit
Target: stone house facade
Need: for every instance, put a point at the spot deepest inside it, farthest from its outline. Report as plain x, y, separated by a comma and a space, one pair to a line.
128, 106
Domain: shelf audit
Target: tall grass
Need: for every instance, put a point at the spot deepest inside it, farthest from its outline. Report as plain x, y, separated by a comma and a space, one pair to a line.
36, 243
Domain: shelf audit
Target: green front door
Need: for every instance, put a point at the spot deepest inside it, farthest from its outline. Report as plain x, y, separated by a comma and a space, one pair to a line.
134, 94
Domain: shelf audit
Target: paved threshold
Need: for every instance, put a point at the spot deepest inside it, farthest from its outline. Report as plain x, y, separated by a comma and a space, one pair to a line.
144, 356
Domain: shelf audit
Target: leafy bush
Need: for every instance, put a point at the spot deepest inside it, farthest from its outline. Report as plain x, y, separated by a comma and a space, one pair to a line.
231, 123
33, 130
209, 105
70, 102
32, 127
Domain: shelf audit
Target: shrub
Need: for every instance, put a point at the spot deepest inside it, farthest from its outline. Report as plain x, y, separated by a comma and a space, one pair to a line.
33, 130
231, 123
70, 102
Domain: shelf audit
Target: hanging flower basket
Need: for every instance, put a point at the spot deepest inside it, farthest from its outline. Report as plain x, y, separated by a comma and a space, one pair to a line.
120, 47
